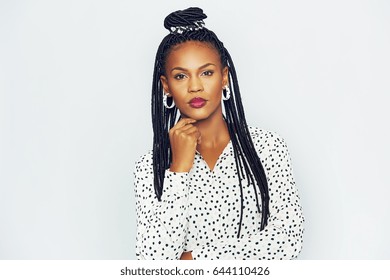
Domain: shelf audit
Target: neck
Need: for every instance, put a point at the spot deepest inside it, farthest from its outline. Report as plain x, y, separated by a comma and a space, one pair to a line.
213, 130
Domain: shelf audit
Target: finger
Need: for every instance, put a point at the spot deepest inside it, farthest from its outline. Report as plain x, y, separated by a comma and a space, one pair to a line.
184, 122
182, 132
187, 127
190, 130
194, 133
191, 133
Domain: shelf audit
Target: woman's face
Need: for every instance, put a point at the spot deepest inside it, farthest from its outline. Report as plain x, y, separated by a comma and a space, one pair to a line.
194, 77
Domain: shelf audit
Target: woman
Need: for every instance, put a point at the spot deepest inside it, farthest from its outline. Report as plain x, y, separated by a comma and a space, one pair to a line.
212, 188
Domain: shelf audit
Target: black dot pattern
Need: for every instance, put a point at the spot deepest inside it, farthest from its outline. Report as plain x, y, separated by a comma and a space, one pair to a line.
200, 209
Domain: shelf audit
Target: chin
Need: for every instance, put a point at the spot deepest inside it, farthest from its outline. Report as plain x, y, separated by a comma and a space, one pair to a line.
194, 117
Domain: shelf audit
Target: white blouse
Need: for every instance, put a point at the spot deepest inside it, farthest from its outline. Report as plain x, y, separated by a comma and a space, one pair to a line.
199, 210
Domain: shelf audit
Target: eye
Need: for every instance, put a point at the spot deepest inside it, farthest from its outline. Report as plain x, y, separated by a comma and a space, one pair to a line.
208, 73
179, 76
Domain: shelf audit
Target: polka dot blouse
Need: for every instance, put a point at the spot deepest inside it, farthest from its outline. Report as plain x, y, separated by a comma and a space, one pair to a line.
199, 210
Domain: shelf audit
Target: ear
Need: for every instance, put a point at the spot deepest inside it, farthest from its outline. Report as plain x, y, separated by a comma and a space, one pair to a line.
225, 76
164, 83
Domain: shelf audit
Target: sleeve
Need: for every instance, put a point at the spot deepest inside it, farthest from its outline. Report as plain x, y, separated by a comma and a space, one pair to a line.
282, 237
161, 225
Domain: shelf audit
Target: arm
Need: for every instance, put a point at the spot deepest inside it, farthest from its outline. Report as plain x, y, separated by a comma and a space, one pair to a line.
282, 237
161, 226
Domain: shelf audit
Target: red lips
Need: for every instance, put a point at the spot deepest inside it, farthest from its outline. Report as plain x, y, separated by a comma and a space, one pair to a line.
197, 102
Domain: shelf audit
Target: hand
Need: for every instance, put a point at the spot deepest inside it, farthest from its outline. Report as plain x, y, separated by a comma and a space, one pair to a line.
184, 137
186, 256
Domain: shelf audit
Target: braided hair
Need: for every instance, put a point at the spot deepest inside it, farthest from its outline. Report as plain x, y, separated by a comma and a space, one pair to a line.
188, 25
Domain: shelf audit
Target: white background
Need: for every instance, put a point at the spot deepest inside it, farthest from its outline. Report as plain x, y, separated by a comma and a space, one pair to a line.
75, 82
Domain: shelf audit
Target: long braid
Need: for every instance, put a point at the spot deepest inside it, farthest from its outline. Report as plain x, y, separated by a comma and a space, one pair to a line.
251, 161
248, 163
162, 120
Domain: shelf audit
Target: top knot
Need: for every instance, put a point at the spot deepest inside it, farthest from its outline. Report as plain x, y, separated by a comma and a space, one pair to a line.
185, 20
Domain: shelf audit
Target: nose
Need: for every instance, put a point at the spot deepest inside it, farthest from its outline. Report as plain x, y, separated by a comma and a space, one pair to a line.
195, 85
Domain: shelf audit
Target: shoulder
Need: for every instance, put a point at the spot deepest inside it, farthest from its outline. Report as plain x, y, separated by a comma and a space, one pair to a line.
265, 137
268, 144
144, 162
270, 147
143, 176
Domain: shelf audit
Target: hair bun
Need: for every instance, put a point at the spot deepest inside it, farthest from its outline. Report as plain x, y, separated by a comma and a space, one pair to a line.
187, 17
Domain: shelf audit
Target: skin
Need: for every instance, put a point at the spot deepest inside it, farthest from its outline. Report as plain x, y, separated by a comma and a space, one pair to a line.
194, 69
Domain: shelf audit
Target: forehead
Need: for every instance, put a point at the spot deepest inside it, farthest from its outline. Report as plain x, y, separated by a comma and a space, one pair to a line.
192, 54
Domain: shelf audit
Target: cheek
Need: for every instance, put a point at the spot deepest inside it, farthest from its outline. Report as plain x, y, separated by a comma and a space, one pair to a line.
215, 87
178, 92
176, 88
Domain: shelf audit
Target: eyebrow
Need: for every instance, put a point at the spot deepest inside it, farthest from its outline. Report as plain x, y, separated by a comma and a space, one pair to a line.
201, 67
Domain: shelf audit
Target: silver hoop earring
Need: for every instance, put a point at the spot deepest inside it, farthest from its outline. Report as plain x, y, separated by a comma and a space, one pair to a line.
165, 98
227, 95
